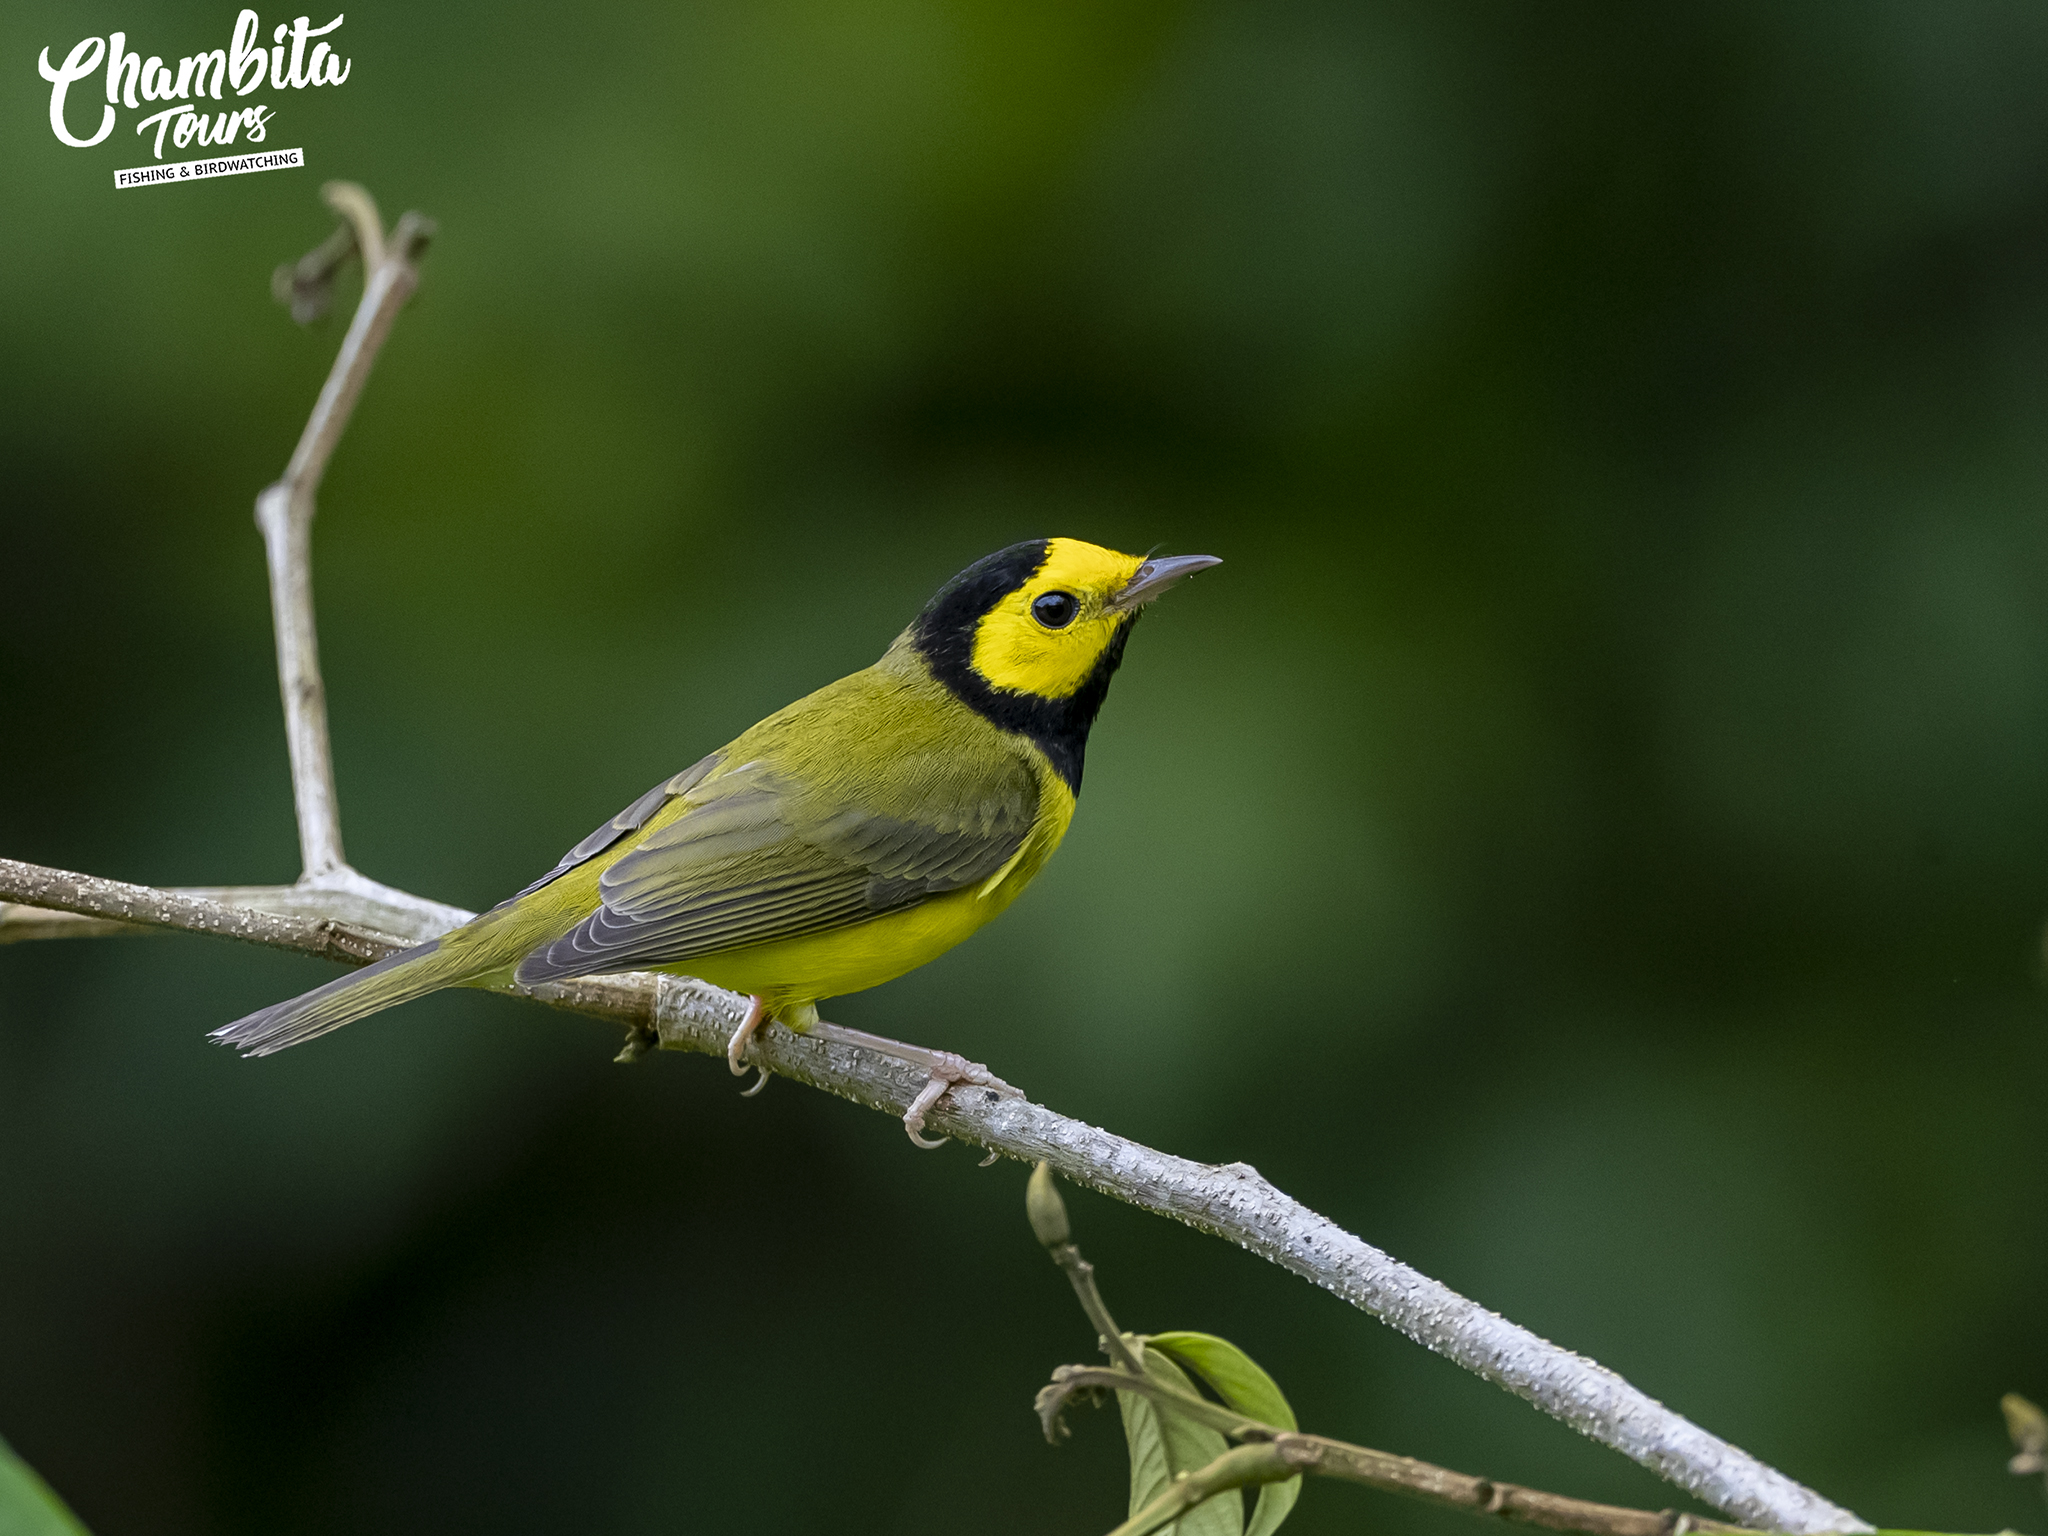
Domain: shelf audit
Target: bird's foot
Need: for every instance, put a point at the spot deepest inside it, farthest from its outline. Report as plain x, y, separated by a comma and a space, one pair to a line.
947, 1071
943, 1070
736, 1047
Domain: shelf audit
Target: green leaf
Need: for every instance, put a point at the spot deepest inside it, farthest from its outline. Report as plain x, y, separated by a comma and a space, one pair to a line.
1242, 1384
27, 1506
1165, 1445
1233, 1374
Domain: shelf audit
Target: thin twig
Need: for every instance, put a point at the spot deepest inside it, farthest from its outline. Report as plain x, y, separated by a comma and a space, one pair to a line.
306, 286
1048, 1213
1231, 1201
354, 204
1318, 1454
1081, 1274
284, 512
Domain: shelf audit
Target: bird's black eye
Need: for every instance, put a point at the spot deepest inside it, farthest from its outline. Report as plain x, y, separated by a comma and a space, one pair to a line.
1055, 610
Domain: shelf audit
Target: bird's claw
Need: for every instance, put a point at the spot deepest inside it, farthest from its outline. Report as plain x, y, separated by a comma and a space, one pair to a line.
947, 1071
736, 1047
913, 1117
942, 1070
759, 1083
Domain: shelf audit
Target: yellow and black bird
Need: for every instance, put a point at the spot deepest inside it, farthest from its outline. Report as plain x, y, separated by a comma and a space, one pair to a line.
843, 841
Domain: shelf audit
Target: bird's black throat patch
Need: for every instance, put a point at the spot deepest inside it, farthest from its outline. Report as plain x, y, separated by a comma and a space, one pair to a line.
944, 637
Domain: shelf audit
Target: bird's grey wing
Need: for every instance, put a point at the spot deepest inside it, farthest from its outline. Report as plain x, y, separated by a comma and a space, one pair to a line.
631, 819
757, 858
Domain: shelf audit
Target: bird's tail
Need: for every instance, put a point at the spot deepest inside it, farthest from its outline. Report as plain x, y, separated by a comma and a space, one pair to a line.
396, 978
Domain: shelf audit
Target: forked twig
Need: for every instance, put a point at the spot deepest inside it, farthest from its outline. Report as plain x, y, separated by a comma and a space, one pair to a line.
1318, 1454
284, 512
327, 887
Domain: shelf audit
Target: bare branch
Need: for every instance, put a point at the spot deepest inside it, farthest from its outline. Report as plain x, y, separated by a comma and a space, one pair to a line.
627, 999
284, 512
356, 901
1230, 1201
122, 903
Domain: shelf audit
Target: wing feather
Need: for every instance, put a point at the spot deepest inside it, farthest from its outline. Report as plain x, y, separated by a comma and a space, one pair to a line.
631, 819
759, 856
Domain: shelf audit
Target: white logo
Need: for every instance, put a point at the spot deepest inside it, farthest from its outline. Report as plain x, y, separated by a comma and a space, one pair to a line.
245, 66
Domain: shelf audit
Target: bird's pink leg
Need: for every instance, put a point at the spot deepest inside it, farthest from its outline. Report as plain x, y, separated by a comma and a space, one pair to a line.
943, 1070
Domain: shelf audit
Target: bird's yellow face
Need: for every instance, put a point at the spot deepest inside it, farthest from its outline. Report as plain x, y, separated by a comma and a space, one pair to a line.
1047, 635
1029, 636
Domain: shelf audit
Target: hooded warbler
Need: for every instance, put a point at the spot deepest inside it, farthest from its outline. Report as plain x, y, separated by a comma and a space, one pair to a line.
849, 838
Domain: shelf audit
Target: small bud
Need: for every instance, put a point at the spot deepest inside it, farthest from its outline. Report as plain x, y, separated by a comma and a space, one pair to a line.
1045, 1208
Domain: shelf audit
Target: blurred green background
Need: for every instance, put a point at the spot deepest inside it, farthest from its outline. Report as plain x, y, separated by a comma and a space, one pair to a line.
1591, 838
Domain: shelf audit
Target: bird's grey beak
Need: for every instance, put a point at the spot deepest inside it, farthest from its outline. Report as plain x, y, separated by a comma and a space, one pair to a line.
1154, 577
